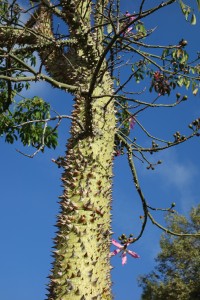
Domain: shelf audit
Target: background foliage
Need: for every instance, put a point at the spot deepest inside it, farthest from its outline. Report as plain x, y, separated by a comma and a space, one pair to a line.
177, 271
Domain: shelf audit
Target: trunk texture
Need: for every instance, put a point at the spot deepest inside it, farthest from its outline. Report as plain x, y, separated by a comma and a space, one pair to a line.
81, 268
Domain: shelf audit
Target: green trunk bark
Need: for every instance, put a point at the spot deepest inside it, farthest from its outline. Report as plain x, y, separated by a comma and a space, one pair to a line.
81, 268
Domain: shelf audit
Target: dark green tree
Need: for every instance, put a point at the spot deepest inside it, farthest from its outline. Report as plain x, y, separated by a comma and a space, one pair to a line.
177, 274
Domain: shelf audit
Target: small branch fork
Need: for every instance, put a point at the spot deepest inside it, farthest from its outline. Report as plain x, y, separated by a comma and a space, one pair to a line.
145, 206
45, 121
41, 147
116, 36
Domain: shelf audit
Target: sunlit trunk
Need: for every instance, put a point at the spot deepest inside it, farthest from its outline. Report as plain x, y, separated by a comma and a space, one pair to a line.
82, 269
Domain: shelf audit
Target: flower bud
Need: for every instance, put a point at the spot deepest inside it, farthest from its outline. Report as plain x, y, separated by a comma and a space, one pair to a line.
183, 43
184, 98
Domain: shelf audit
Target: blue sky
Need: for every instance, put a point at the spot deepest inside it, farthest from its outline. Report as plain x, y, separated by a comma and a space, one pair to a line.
30, 187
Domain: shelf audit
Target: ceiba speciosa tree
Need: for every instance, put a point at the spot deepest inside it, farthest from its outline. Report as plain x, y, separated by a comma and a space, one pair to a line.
82, 56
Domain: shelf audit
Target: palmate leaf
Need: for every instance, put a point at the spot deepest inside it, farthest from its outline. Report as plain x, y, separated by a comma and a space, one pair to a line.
27, 123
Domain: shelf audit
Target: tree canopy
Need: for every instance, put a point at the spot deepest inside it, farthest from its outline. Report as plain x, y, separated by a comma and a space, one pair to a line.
177, 271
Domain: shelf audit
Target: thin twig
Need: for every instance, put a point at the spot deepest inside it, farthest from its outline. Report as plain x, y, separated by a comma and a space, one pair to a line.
166, 230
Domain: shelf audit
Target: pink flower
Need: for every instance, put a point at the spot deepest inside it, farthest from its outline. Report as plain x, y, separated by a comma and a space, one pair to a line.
131, 122
127, 14
128, 30
157, 75
130, 19
124, 250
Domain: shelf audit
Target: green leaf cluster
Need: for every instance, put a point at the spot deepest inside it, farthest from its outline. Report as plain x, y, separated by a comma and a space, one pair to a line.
9, 13
12, 68
140, 70
27, 123
141, 31
180, 73
189, 12
177, 274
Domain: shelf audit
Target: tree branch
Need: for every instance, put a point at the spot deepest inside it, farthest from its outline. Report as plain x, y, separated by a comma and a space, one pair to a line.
38, 77
166, 230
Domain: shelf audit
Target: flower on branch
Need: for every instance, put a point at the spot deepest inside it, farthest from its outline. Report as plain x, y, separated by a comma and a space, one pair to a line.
131, 122
160, 83
124, 250
130, 19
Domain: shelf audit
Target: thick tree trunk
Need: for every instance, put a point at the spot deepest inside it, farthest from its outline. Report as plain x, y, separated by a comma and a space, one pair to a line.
82, 269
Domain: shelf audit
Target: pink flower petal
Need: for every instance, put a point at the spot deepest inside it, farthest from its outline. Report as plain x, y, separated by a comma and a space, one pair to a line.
124, 258
131, 123
116, 251
132, 18
129, 29
127, 14
133, 254
118, 245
